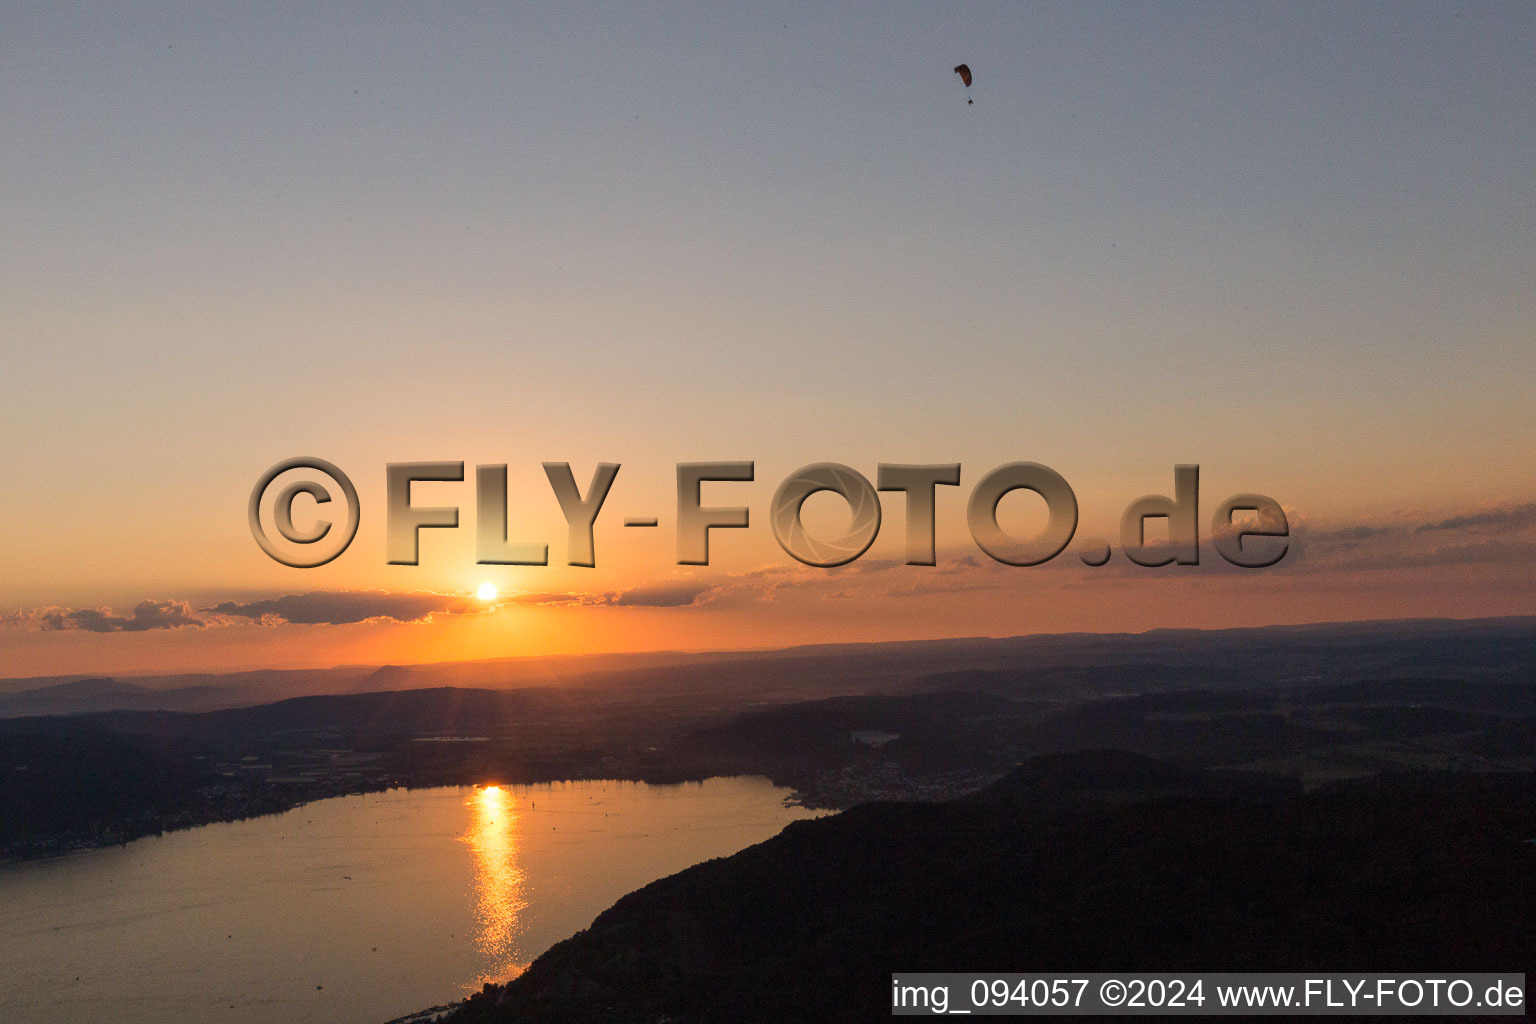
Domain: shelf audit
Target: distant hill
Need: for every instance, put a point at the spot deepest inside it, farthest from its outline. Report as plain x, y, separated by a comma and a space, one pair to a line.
391, 677
362, 718
1097, 861
830, 723
840, 726
1023, 667
99, 694
92, 693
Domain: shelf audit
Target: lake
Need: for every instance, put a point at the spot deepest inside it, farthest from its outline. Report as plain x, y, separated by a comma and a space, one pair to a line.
355, 909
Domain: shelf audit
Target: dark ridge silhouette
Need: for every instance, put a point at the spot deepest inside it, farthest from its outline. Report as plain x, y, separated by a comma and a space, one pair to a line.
1072, 783
73, 775
1097, 861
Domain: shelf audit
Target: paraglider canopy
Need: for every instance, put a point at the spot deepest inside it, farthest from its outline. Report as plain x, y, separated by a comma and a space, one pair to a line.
964, 71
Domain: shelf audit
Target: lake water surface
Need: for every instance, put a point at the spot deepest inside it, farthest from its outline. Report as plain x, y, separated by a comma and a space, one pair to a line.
356, 909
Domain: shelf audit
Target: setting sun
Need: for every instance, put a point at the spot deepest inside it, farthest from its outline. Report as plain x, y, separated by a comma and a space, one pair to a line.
487, 592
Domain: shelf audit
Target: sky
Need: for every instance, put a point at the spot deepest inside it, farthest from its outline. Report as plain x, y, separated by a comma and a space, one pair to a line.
1294, 244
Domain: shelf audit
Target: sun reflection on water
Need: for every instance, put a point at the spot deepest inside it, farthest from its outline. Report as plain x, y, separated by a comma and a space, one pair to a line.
499, 882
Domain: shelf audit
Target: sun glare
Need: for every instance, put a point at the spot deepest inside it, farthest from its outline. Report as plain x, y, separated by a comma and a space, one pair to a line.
487, 592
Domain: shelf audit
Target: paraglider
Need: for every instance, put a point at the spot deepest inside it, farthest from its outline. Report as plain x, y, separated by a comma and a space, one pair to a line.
964, 71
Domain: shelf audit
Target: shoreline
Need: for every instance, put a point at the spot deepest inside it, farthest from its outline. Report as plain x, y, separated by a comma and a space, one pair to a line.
52, 848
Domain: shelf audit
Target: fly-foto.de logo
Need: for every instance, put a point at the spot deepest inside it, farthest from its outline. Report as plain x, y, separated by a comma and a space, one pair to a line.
1255, 540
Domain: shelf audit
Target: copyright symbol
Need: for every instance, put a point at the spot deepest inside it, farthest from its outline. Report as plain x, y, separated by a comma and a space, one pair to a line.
1112, 992
282, 512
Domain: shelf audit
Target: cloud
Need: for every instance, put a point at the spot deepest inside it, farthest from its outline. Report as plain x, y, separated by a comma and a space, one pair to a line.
1482, 539
548, 598
1512, 553
339, 608
664, 594
1516, 517
146, 615
869, 565
1347, 535
679, 594
925, 587
959, 567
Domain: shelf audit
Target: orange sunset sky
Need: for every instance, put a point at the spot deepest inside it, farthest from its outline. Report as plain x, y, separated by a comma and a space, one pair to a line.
1295, 245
